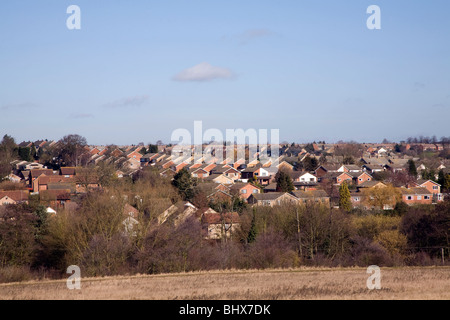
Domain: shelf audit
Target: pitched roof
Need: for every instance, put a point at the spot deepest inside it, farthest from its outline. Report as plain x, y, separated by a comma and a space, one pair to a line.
37, 172
370, 184
422, 181
16, 195
310, 194
416, 190
68, 171
217, 218
59, 194
268, 196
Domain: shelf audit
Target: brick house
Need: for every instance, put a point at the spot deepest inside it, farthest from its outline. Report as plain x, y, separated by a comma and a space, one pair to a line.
361, 177
433, 187
68, 172
272, 199
317, 196
14, 197
244, 190
416, 195
217, 226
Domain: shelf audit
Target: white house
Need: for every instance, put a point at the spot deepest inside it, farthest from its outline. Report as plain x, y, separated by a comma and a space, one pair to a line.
307, 177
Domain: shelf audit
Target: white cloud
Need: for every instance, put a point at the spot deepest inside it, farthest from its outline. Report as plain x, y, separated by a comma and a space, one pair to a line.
81, 115
203, 72
23, 105
251, 34
136, 101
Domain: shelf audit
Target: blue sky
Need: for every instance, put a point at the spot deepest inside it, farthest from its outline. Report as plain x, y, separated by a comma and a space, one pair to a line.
138, 70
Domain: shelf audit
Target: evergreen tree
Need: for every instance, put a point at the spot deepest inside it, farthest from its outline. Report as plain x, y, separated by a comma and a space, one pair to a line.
310, 163
344, 197
412, 170
185, 184
252, 232
24, 153
284, 182
441, 178
33, 152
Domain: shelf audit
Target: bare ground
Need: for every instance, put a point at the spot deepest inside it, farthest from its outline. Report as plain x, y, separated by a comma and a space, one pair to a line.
428, 283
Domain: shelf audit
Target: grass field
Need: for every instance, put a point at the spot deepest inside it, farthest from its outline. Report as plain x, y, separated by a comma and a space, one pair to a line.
304, 283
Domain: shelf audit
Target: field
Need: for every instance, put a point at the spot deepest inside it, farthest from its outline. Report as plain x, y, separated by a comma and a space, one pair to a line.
304, 283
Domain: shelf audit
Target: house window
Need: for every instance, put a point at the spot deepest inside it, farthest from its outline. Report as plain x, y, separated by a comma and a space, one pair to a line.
244, 191
419, 197
409, 198
435, 187
360, 179
311, 179
302, 179
255, 191
426, 197
356, 199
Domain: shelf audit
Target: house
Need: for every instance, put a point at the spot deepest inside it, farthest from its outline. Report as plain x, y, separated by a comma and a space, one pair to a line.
430, 185
272, 199
34, 173
148, 159
248, 173
312, 196
177, 213
372, 168
304, 177
433, 187
361, 177
369, 184
284, 165
349, 168
356, 198
217, 226
272, 187
219, 178
324, 169
13, 178
14, 197
417, 195
68, 172
303, 180
131, 215
42, 182
199, 172
344, 176
228, 171
55, 198
244, 190
134, 155
394, 167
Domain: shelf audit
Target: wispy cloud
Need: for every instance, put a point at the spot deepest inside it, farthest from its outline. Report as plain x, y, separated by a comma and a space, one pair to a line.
81, 115
249, 35
252, 34
15, 106
203, 72
136, 101
418, 86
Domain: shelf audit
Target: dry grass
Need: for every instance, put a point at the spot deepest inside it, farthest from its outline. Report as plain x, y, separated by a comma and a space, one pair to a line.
304, 283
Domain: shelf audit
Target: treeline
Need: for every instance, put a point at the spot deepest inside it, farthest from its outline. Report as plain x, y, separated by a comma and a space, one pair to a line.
94, 236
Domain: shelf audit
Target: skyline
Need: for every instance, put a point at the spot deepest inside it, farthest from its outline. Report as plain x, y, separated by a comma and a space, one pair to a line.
136, 72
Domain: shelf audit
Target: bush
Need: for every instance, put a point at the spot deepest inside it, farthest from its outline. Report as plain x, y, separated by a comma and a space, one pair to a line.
365, 252
271, 250
15, 274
